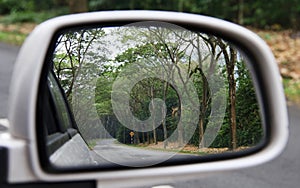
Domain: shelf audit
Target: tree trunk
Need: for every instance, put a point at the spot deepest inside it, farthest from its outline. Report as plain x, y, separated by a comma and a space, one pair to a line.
153, 124
163, 123
201, 133
232, 96
137, 138
78, 6
180, 135
240, 12
143, 137
203, 110
124, 135
233, 117
230, 60
148, 138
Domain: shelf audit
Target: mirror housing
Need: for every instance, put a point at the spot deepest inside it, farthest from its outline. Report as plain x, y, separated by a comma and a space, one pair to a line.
29, 67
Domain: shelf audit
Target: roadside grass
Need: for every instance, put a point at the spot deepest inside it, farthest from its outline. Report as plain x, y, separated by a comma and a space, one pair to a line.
15, 34
143, 146
33, 17
13, 38
15, 27
187, 149
292, 90
92, 143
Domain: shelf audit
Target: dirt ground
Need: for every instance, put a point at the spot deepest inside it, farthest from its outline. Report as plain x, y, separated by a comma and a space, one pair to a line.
190, 148
22, 28
285, 45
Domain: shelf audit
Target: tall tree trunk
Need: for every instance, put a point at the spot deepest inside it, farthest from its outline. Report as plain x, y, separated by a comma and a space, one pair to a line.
148, 138
124, 135
232, 96
203, 109
180, 135
240, 12
210, 42
137, 138
201, 132
230, 64
78, 6
143, 137
153, 124
165, 89
180, 5
230, 60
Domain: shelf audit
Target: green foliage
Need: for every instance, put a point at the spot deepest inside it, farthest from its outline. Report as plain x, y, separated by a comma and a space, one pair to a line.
71, 56
75, 66
31, 16
12, 6
12, 38
249, 122
263, 14
81, 61
141, 94
103, 94
275, 14
292, 89
36, 11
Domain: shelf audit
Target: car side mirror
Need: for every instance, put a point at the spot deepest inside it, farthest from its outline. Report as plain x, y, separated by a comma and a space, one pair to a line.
142, 96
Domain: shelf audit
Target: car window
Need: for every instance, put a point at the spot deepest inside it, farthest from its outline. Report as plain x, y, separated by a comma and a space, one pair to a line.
62, 112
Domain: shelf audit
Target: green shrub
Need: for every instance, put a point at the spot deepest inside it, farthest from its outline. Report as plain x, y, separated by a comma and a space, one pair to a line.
11, 6
29, 16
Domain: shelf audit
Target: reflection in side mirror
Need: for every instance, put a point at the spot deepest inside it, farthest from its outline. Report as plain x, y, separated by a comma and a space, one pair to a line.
144, 93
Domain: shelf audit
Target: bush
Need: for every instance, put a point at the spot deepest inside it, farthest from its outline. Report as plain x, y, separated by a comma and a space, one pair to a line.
30, 16
11, 6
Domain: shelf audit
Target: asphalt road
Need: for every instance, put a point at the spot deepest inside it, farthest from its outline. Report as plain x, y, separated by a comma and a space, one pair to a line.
128, 156
111, 151
284, 171
8, 55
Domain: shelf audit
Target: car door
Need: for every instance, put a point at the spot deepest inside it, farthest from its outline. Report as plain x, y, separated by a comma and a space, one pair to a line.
62, 133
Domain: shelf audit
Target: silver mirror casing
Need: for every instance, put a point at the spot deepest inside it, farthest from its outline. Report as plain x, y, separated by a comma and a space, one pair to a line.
25, 86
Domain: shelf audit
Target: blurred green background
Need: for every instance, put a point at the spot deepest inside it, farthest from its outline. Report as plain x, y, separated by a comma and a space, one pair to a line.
262, 14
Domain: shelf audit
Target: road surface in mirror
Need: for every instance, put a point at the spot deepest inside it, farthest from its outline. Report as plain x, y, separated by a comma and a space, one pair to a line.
118, 153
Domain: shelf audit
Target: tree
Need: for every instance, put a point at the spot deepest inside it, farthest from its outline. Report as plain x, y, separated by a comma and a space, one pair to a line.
249, 122
150, 88
75, 66
78, 6
230, 57
181, 81
69, 57
178, 55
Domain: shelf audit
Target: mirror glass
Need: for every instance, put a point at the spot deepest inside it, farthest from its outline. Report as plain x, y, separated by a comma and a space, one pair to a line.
141, 94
